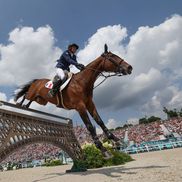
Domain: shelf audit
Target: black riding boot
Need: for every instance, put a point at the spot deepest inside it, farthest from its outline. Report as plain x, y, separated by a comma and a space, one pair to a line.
55, 88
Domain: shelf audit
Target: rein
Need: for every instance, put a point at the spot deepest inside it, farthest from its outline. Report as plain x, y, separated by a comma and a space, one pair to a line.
105, 78
118, 65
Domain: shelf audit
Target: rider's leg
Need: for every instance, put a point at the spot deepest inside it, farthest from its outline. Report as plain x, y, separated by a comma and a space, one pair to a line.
57, 83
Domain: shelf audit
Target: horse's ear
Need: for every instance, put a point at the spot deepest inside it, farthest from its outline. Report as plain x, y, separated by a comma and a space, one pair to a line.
105, 48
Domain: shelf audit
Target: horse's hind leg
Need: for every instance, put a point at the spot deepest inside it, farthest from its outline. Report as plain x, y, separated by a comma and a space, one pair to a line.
20, 103
27, 105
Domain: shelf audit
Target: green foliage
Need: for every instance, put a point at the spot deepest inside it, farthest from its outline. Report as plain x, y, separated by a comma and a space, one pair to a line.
53, 163
118, 128
105, 140
124, 126
1, 168
173, 113
118, 158
78, 166
95, 159
126, 157
146, 120
153, 119
143, 120
180, 113
10, 165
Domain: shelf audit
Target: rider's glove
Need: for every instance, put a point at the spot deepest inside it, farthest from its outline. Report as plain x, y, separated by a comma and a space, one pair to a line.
80, 67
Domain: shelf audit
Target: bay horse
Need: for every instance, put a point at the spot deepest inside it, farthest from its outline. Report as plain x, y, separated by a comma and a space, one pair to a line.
79, 92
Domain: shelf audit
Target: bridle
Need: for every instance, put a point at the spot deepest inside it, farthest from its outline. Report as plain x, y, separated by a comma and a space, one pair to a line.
108, 57
118, 71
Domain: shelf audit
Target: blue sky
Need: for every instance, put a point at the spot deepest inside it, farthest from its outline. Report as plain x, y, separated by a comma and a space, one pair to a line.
77, 20
84, 22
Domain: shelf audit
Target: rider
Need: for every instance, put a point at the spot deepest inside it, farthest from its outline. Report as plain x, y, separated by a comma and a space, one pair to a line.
67, 58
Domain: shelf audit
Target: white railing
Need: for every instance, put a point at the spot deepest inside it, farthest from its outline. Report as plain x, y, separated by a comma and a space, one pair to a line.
155, 147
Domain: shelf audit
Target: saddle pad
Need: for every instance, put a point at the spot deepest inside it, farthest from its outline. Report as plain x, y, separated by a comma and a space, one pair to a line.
49, 84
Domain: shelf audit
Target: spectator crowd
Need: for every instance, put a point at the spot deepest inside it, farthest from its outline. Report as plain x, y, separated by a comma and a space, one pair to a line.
137, 133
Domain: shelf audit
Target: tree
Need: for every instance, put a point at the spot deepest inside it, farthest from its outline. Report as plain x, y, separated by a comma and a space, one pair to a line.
146, 120
143, 120
153, 119
172, 113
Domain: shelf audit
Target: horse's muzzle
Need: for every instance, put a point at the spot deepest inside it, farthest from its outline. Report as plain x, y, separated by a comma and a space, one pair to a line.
125, 71
129, 70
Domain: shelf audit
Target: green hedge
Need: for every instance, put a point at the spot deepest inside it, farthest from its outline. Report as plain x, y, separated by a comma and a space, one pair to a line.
53, 163
95, 159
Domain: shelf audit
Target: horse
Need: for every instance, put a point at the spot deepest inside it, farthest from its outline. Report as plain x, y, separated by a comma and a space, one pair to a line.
78, 93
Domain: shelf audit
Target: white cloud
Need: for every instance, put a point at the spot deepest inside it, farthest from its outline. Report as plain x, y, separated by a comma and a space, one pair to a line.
170, 97
150, 46
111, 124
176, 98
110, 35
3, 96
133, 121
30, 54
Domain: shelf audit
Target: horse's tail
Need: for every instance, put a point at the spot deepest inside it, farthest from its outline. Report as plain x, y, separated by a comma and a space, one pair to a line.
23, 90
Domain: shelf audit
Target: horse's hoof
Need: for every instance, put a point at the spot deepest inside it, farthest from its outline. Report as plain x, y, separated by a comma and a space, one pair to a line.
115, 147
118, 144
107, 155
25, 106
18, 104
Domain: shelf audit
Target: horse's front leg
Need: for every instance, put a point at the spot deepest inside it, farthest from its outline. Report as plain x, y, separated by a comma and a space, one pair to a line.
93, 112
83, 114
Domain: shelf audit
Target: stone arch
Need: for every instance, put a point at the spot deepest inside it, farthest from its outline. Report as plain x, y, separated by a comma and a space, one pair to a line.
13, 148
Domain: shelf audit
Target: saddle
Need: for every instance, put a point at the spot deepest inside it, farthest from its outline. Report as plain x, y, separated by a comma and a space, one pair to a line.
49, 84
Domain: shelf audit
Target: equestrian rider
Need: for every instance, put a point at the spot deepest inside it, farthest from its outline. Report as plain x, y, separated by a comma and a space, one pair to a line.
67, 58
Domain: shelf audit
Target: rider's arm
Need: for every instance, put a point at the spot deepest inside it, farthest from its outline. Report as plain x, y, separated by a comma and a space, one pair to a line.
69, 59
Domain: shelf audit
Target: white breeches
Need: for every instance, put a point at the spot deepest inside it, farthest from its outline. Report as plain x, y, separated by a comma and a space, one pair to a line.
60, 73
